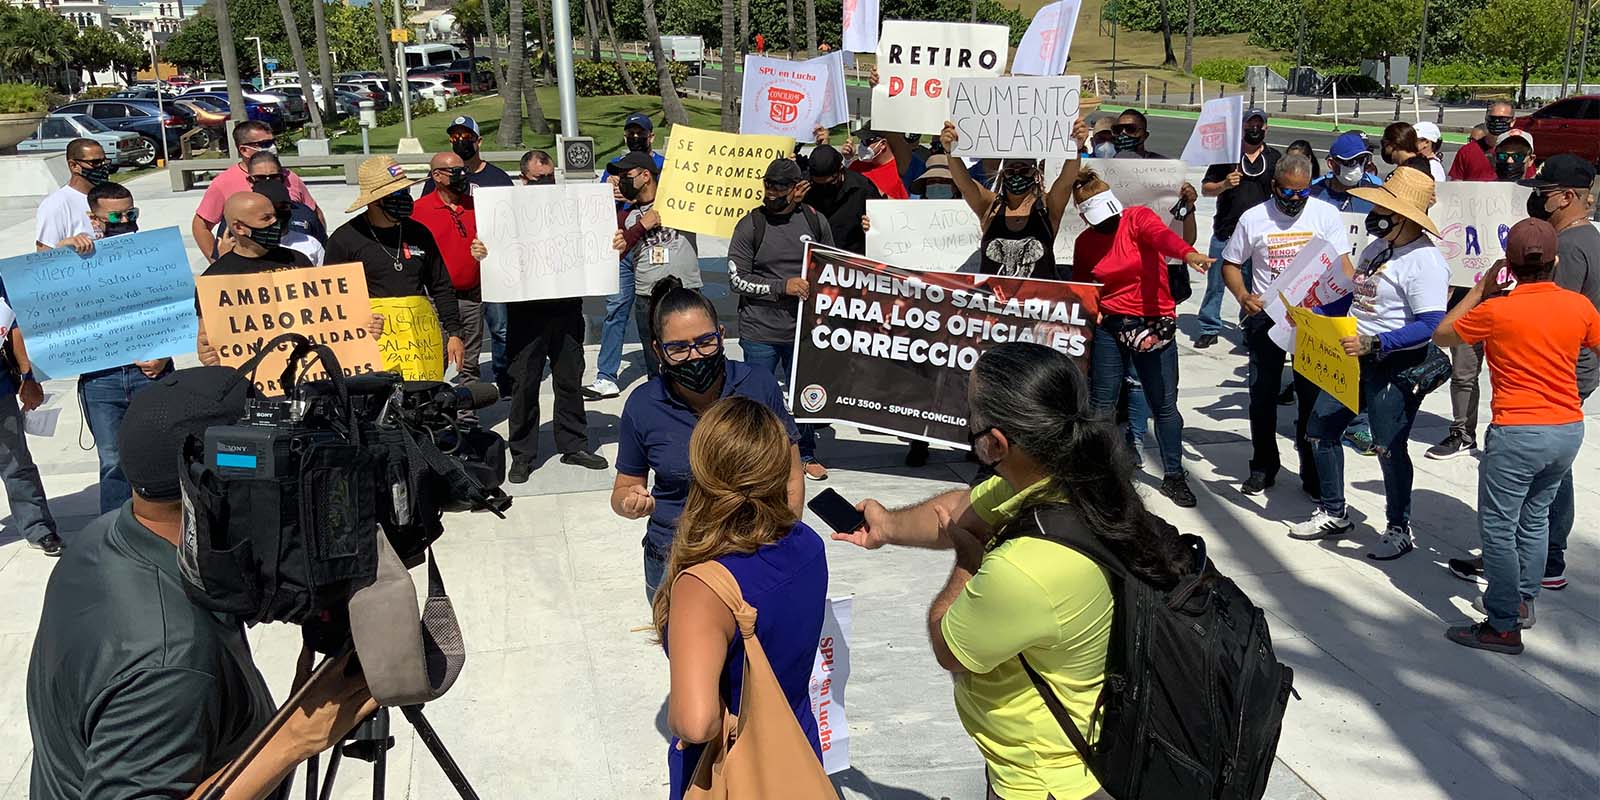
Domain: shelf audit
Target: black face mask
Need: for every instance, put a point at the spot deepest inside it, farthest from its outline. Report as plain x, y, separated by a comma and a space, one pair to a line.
466, 148
697, 375
627, 188
267, 236
776, 205
397, 206
637, 144
458, 180
1379, 224
823, 194
1508, 170
1255, 135
1019, 182
542, 180
119, 228
1497, 126
1290, 206
1536, 207
1125, 142
99, 174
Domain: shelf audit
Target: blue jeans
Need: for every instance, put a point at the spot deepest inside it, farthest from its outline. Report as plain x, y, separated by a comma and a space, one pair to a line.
655, 568
647, 339
1138, 410
778, 359
494, 322
1518, 479
615, 329
105, 396
1390, 412
1563, 513
1211, 305
30, 511
1158, 377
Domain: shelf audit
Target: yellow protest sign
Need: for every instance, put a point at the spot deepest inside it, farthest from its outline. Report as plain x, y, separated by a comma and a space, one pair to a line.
1319, 355
241, 313
412, 343
711, 179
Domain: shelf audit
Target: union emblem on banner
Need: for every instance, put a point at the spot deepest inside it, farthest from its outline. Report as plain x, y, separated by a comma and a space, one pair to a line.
1212, 134
785, 104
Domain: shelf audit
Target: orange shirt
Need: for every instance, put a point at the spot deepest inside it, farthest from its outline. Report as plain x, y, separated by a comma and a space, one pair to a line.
1531, 338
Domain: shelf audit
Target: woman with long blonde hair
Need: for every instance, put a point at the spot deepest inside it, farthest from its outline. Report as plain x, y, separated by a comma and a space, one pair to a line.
738, 514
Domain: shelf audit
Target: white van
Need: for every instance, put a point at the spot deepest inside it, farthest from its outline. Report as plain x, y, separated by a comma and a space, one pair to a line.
430, 55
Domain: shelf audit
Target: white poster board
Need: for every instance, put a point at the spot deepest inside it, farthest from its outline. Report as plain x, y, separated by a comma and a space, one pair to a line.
1355, 227
1315, 278
1218, 133
935, 235
547, 242
1015, 117
783, 98
829, 673
1474, 219
1149, 182
860, 25
917, 60
1044, 48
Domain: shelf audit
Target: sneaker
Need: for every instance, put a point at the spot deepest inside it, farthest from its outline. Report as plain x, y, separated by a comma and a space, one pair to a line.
1205, 340
49, 544
1467, 569
1361, 441
601, 389
1322, 525
1395, 542
579, 458
520, 470
1176, 488
1525, 614
1483, 636
1453, 446
815, 471
1554, 583
917, 455
1257, 483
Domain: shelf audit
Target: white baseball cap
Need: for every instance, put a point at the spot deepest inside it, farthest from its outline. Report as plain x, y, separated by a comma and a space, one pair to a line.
1429, 131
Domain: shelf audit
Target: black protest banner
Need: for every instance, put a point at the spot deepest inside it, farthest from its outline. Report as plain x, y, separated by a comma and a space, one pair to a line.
890, 349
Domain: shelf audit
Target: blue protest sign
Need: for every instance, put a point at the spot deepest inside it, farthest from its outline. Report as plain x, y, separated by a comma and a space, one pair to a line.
132, 299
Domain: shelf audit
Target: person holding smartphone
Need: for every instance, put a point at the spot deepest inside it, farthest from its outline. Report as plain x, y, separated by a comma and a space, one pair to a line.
660, 416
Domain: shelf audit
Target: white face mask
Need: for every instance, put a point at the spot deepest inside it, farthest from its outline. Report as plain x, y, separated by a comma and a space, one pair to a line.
1350, 174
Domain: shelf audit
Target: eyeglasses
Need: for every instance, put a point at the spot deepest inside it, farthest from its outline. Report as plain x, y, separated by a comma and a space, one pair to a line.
273, 177
706, 345
1127, 129
1293, 194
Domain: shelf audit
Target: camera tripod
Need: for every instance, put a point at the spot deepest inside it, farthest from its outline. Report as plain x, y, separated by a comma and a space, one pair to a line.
370, 741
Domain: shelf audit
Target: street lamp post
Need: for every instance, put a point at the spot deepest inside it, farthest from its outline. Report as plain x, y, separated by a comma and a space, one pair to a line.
410, 144
155, 70
261, 63
565, 89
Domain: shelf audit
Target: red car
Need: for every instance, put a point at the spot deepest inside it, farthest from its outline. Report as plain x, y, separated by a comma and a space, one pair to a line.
1571, 125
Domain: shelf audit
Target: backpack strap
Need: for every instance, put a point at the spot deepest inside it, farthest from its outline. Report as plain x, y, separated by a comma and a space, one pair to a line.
813, 222
759, 232
1059, 711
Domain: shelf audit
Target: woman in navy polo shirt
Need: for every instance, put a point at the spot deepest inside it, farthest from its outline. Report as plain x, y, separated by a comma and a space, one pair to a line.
659, 416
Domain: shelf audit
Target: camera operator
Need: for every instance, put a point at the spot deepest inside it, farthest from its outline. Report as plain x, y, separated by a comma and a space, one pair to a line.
135, 691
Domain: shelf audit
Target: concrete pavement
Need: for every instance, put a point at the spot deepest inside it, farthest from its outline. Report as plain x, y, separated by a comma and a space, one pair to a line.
562, 695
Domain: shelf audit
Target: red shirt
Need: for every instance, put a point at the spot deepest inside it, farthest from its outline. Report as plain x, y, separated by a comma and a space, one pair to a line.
1474, 163
453, 230
1131, 264
885, 176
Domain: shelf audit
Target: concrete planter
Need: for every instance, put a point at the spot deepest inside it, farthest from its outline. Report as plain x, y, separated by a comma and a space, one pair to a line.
16, 127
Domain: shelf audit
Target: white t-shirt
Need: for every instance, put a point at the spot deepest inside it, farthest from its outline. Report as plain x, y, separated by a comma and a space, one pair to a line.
63, 213
1270, 239
1437, 168
1390, 292
308, 245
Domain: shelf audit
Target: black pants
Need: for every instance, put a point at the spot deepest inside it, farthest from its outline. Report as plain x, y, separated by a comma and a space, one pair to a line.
538, 331
1266, 376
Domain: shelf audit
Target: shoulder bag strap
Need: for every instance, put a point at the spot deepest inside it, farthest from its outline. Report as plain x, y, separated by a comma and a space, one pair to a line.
722, 582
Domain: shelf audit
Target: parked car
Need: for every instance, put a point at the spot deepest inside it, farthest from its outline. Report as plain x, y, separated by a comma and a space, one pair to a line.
253, 110
463, 81
1565, 126
379, 98
351, 77
57, 130
381, 85
348, 104
430, 87
180, 81
210, 115
146, 93
292, 88
294, 108
148, 118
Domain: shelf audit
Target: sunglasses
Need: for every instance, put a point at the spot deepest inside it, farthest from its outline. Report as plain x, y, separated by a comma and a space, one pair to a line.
263, 144
98, 162
1127, 129
1508, 157
706, 345
1293, 194
275, 177
119, 217
464, 136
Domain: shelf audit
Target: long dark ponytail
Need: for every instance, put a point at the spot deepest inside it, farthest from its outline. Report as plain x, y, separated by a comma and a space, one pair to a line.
1039, 399
668, 297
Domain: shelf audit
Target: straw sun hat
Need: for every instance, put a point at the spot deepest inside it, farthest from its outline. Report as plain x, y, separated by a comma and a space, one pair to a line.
379, 177
1407, 192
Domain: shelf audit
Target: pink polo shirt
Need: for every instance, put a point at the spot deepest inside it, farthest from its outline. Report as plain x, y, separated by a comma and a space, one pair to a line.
233, 180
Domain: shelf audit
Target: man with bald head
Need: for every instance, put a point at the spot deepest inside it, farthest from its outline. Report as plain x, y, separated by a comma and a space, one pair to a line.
447, 213
1475, 160
255, 232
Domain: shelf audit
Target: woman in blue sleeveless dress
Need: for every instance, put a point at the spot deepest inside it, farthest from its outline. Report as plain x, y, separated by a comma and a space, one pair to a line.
738, 514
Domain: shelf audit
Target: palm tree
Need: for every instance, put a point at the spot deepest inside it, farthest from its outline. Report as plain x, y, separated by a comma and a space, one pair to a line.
396, 87
495, 68
593, 29
230, 62
469, 22
516, 69
319, 18
730, 117
307, 90
671, 106
788, 14
544, 42
744, 29
1188, 42
1166, 37
604, 10
811, 28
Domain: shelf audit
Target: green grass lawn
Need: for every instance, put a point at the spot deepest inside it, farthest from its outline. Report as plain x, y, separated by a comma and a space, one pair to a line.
598, 117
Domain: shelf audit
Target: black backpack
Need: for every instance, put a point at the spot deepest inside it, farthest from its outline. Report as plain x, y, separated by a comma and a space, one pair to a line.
759, 224
1193, 699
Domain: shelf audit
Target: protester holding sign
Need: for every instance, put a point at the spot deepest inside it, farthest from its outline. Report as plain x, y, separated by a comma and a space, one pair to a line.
20, 392
1125, 250
1021, 219
638, 136
64, 213
1238, 187
449, 214
879, 163
841, 195
1270, 236
655, 250
293, 238
1401, 285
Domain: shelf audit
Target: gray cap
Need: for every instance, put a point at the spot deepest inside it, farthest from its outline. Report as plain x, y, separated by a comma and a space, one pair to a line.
783, 171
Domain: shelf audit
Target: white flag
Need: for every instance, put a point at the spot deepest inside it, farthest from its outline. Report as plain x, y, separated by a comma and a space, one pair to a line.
784, 98
1217, 133
1043, 49
829, 673
860, 25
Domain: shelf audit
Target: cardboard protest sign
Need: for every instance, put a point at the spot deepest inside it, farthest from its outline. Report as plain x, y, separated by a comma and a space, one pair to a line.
1474, 219
889, 349
1218, 133
1315, 278
1319, 355
547, 242
860, 25
781, 97
1152, 183
412, 343
829, 673
711, 179
1355, 227
131, 299
1043, 49
917, 60
940, 235
328, 305
1026, 117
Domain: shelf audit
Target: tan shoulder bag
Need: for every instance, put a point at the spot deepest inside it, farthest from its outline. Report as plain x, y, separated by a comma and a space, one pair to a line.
761, 753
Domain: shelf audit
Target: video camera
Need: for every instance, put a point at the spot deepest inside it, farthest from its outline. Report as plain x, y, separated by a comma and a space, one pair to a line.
282, 511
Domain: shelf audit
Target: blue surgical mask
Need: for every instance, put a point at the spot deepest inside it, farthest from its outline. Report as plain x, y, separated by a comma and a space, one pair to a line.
1105, 150
939, 191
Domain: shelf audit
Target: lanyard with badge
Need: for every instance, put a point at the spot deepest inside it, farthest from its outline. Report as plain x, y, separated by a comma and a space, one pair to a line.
655, 254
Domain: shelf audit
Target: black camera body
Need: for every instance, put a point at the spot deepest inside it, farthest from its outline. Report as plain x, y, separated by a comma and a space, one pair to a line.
282, 511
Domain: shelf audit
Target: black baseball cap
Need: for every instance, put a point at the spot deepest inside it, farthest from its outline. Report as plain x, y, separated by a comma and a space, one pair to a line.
782, 171
163, 416
868, 135
825, 161
632, 161
1565, 171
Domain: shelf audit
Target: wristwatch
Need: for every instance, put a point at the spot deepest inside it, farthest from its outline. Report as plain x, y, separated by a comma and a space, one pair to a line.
27, 377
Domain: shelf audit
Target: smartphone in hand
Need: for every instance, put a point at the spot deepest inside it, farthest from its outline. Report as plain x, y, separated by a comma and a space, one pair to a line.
838, 512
